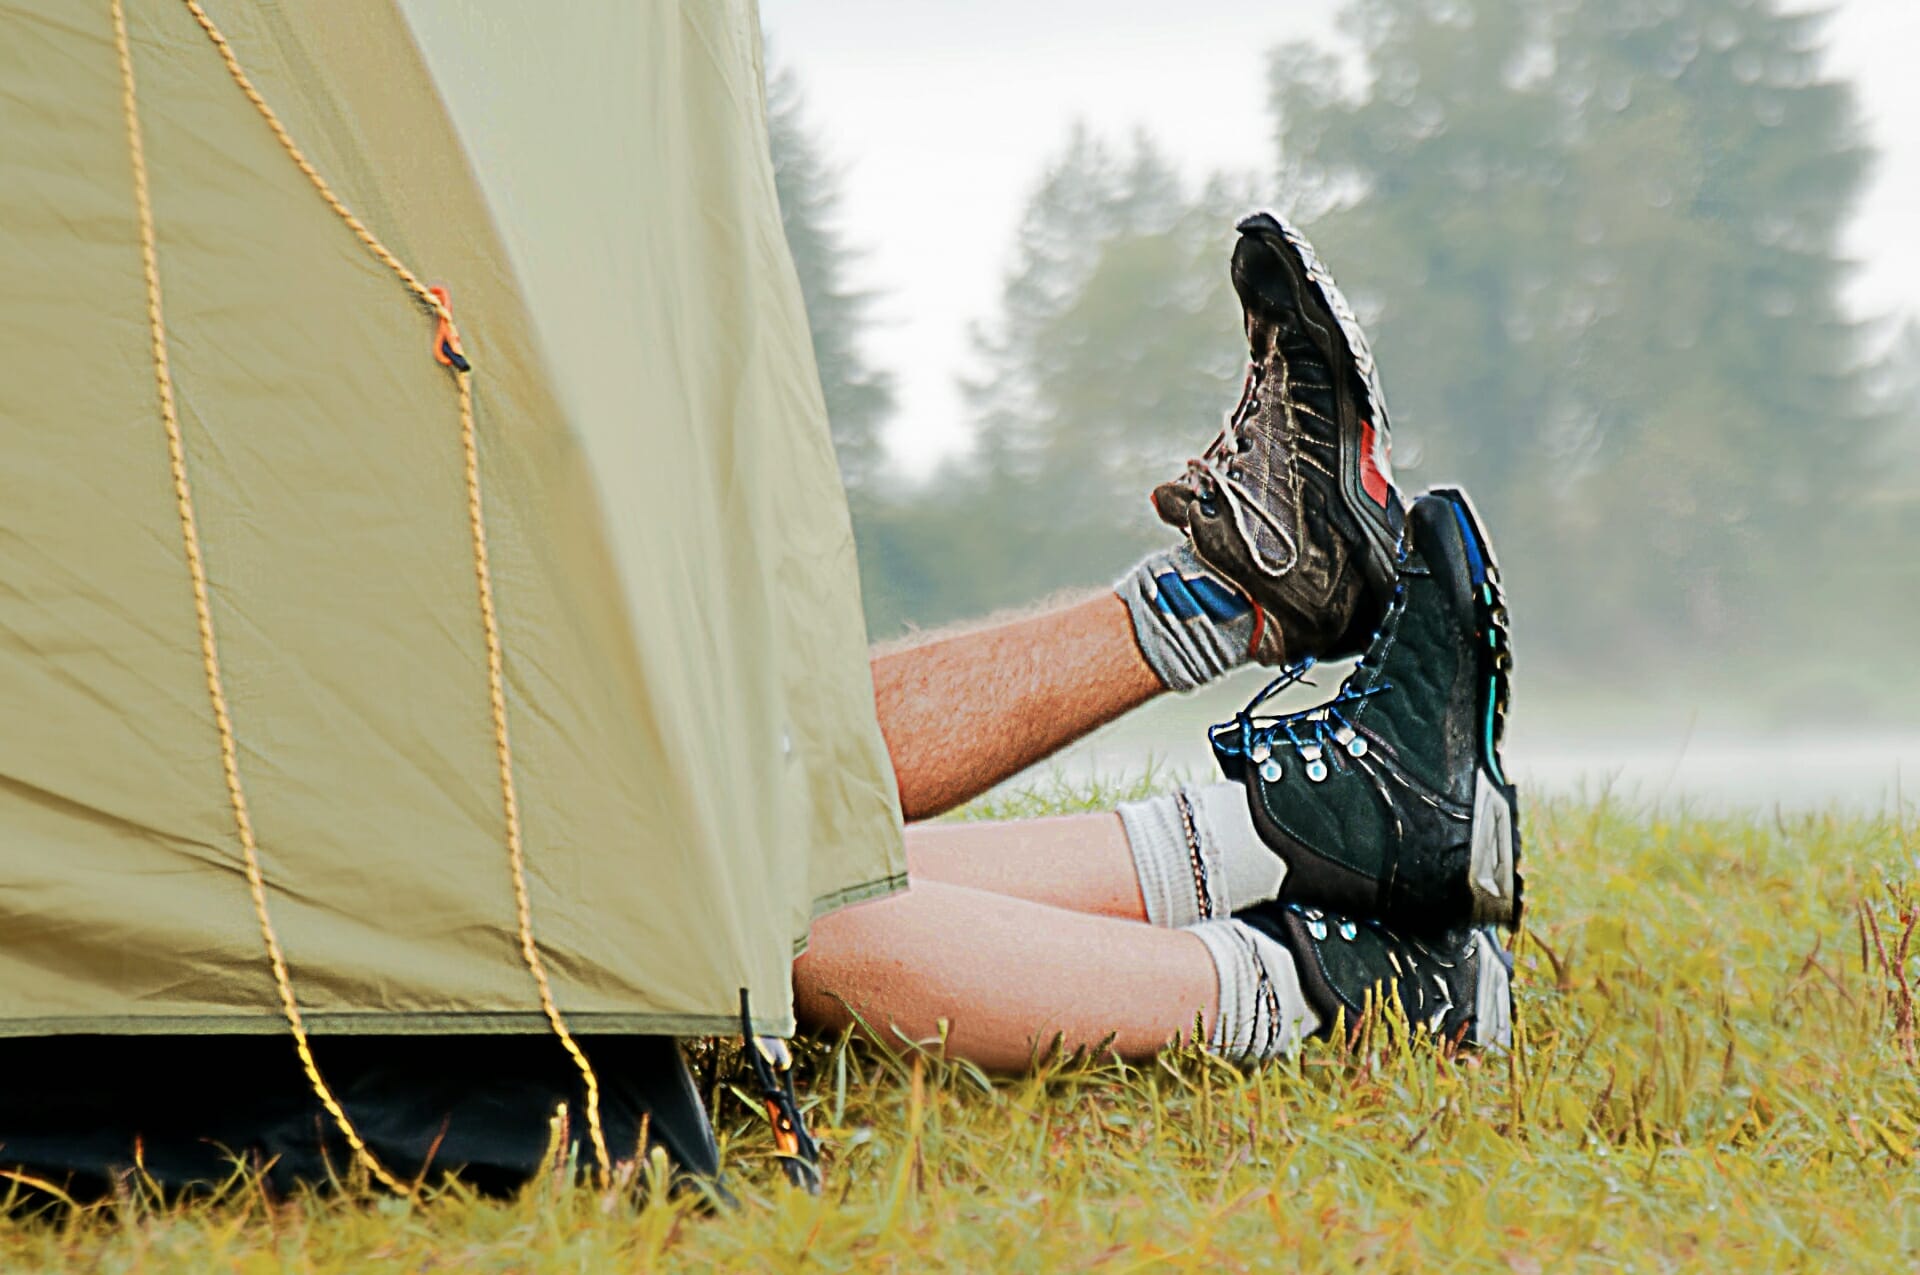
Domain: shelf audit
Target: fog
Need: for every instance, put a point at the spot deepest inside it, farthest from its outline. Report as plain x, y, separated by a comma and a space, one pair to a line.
1665, 756
940, 113
1700, 440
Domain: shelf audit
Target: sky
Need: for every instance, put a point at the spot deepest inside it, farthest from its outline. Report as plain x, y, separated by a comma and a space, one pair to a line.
941, 113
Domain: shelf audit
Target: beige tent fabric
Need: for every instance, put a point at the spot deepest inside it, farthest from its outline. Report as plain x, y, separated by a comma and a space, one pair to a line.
691, 713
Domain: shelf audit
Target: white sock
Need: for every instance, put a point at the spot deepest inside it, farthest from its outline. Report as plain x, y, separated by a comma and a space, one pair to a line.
1191, 625
1263, 1012
1197, 854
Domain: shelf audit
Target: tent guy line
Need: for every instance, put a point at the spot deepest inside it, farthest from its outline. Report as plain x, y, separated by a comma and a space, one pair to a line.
501, 703
448, 351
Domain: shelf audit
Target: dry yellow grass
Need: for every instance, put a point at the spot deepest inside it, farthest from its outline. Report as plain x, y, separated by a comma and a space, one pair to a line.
1716, 1069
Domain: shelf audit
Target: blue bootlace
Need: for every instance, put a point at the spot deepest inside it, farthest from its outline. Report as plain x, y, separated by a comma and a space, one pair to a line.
1326, 727
1312, 733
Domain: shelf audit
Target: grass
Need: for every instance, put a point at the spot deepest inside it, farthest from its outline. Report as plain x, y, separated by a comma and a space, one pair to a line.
1716, 1069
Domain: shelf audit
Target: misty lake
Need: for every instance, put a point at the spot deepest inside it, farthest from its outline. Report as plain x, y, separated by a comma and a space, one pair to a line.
1678, 754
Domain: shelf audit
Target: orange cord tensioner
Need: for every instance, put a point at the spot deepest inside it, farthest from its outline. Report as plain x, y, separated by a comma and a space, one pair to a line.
447, 350
446, 337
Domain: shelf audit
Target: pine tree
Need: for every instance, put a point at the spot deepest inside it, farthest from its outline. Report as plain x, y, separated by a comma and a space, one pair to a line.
1113, 356
860, 398
1599, 244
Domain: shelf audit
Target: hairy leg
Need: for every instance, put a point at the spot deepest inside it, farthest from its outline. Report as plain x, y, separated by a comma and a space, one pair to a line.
1078, 862
1006, 974
962, 712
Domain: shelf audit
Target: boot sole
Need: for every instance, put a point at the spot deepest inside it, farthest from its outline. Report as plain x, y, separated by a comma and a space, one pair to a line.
1494, 864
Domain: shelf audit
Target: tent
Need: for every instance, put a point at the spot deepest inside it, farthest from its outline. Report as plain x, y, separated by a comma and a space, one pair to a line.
523, 700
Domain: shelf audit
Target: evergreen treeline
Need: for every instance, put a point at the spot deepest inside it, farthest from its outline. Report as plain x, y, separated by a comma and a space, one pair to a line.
1597, 247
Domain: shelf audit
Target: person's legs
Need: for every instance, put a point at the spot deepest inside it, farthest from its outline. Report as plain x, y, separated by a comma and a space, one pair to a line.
1004, 973
1006, 976
1081, 863
962, 712
1172, 859
1032, 972
1040, 933
1015, 931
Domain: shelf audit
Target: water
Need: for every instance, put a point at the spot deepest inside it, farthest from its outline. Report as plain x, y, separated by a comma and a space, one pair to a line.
1794, 772
1688, 756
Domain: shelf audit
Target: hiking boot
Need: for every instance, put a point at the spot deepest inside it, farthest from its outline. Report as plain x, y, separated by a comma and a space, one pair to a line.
1294, 502
1456, 985
1390, 800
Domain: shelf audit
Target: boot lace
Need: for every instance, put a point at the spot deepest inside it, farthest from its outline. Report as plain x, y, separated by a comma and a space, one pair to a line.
1215, 467
1314, 733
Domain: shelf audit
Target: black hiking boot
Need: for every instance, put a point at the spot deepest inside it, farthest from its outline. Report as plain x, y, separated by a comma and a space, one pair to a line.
1294, 502
1389, 800
1455, 985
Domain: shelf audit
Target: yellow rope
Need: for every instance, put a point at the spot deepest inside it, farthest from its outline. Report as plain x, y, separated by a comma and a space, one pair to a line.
510, 802
496, 680
203, 613
300, 159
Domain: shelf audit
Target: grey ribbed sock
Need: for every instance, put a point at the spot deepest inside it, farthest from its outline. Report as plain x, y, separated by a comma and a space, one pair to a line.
1197, 855
1263, 1012
1191, 625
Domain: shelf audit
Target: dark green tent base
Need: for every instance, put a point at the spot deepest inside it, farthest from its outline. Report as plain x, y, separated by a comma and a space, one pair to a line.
74, 1108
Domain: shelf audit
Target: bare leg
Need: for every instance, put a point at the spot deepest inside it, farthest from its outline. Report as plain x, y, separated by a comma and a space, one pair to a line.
1004, 973
1078, 862
962, 713
1011, 932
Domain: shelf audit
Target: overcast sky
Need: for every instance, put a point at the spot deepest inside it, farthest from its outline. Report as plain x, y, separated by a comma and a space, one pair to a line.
941, 112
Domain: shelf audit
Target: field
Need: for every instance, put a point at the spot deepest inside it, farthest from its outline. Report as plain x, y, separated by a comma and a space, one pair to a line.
1716, 1069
